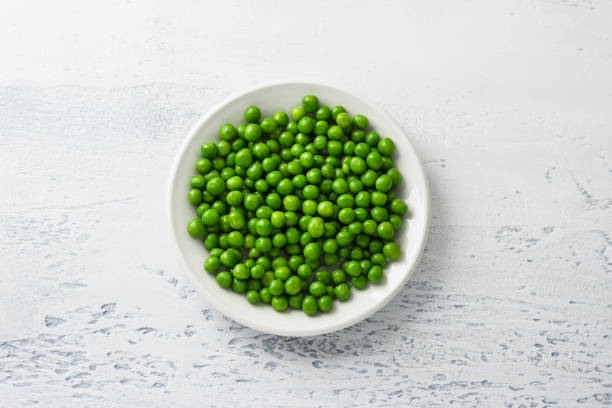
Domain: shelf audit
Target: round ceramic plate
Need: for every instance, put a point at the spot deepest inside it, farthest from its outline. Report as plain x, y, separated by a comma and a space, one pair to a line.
362, 303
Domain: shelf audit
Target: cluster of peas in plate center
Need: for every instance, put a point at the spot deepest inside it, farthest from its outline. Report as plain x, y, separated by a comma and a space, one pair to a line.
297, 209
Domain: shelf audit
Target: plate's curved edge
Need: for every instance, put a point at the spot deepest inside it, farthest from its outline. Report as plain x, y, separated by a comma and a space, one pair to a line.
228, 312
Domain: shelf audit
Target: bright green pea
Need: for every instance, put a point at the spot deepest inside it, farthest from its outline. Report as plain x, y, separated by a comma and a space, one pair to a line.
195, 196
360, 121
325, 303
224, 279
346, 215
281, 119
310, 103
253, 297
244, 158
359, 282
252, 114
386, 146
397, 206
227, 132
343, 120
297, 113
309, 305
279, 303
195, 228
342, 292
384, 183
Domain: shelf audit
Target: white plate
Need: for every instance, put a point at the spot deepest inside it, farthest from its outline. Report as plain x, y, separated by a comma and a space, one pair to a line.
362, 303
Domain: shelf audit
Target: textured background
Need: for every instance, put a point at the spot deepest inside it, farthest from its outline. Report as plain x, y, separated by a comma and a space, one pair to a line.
508, 103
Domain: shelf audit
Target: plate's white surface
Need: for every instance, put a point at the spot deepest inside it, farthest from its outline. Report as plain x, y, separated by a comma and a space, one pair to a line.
411, 238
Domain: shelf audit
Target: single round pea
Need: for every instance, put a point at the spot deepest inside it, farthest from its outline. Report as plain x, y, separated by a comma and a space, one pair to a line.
320, 129
342, 291
310, 103
372, 138
212, 264
241, 271
227, 132
195, 196
244, 158
379, 199
209, 150
385, 230
346, 215
343, 120
212, 242
330, 246
345, 201
391, 250
197, 181
252, 114
263, 244
358, 165
195, 228
252, 296
359, 282
203, 165
276, 287
334, 148
295, 301
291, 203
306, 125
281, 118
396, 176
384, 183
379, 214
224, 279
317, 288
309, 305
386, 146
279, 303
358, 135
325, 303
284, 187
292, 285
312, 251
344, 238
264, 294
257, 271
316, 227
210, 217
397, 206
325, 209
268, 125
360, 121
369, 178
223, 148
297, 113
362, 150
375, 274
374, 160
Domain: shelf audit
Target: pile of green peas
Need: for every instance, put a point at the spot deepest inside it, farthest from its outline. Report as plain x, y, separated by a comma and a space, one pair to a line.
297, 209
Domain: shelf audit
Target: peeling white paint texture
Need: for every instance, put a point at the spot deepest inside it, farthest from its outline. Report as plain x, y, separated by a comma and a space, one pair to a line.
508, 104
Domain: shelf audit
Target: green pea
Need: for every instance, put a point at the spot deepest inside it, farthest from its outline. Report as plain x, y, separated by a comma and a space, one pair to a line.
312, 251
195, 196
297, 113
279, 303
252, 296
224, 279
281, 119
325, 303
359, 282
265, 296
397, 206
391, 250
309, 305
342, 292
310, 103
252, 114
212, 264
209, 150
196, 228
360, 121
343, 120
227, 132
317, 288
